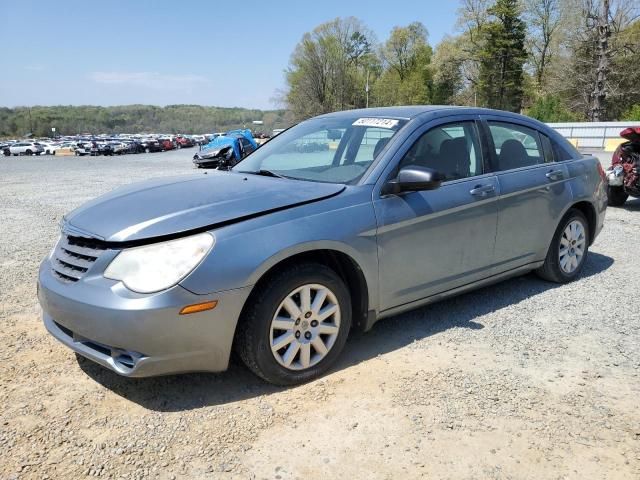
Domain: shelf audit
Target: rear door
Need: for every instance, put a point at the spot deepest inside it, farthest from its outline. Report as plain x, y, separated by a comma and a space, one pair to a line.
433, 241
534, 191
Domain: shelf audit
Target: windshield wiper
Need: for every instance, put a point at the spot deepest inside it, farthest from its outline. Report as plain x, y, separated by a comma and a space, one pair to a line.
266, 173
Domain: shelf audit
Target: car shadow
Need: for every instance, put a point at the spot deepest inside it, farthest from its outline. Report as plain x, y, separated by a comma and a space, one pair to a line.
195, 390
632, 205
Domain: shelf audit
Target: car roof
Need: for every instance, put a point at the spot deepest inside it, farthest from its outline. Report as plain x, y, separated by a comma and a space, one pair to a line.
410, 112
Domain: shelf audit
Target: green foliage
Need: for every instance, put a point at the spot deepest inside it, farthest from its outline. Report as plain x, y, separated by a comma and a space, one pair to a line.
551, 109
448, 79
69, 120
632, 114
328, 68
502, 58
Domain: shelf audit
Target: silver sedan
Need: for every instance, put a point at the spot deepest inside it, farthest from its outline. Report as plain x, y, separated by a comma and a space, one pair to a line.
336, 223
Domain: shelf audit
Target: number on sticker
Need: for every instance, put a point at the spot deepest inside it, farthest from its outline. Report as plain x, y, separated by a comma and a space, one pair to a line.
376, 122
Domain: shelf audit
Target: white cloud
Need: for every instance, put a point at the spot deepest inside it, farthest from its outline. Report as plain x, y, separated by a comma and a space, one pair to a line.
151, 80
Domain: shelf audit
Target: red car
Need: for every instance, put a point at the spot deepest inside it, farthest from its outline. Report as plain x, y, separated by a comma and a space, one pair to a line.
167, 144
183, 142
624, 173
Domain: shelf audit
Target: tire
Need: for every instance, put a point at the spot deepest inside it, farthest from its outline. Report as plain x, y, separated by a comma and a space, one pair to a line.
255, 334
617, 196
554, 268
147, 150
28, 152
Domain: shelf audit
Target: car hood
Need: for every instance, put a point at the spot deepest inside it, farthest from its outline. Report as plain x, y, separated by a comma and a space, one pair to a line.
173, 206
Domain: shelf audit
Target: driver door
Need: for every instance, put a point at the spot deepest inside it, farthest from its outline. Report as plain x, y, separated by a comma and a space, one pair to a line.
437, 240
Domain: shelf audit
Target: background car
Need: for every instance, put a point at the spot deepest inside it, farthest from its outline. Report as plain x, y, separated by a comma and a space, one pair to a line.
26, 148
183, 141
152, 145
224, 151
167, 144
4, 148
624, 173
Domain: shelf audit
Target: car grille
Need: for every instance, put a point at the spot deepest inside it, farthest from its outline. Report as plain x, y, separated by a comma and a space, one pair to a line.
74, 256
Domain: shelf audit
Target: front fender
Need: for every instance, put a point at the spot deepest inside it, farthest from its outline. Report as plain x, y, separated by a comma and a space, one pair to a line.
245, 251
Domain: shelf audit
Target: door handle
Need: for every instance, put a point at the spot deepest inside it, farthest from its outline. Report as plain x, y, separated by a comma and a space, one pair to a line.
482, 190
554, 175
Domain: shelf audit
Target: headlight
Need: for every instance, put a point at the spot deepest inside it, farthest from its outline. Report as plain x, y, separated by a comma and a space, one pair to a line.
156, 267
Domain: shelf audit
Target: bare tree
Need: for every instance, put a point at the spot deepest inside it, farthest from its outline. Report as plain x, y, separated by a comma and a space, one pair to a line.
544, 20
599, 93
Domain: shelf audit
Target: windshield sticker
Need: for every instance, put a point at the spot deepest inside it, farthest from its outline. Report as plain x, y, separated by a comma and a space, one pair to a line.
376, 122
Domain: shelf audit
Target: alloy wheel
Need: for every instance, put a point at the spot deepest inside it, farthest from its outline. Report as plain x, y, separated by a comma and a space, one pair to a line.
305, 327
572, 246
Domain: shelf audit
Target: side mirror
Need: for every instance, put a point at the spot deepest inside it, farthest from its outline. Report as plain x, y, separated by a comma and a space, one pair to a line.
414, 179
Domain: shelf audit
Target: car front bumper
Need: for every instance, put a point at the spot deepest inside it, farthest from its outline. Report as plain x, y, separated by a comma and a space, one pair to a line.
140, 335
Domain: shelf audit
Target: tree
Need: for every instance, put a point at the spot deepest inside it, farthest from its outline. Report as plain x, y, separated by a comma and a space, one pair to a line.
598, 68
71, 120
407, 76
632, 114
403, 48
500, 82
603, 54
550, 108
448, 80
328, 66
544, 20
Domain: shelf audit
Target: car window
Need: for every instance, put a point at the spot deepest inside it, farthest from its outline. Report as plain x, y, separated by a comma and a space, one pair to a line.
452, 149
516, 146
334, 150
371, 144
547, 148
560, 154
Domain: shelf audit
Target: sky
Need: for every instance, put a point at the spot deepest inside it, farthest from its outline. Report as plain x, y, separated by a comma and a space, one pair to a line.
232, 53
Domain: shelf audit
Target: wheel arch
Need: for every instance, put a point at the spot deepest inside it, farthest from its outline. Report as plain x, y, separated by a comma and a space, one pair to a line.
589, 211
339, 261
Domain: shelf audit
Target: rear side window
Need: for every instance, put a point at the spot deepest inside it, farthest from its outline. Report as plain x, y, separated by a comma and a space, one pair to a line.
564, 152
516, 146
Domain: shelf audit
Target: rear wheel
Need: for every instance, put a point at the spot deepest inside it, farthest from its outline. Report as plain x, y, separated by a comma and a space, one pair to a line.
296, 325
28, 152
569, 249
617, 196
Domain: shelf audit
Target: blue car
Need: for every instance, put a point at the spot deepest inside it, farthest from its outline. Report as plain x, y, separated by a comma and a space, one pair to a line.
224, 151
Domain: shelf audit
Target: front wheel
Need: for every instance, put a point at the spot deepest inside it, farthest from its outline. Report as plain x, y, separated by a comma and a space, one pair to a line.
28, 152
295, 326
617, 196
568, 250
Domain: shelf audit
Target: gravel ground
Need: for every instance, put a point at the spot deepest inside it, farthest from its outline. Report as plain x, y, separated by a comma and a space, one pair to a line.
523, 379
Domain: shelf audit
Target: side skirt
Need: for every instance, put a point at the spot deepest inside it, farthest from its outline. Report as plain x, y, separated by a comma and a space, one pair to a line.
451, 293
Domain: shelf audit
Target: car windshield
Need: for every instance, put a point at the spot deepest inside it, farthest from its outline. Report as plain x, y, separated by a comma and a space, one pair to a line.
332, 150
